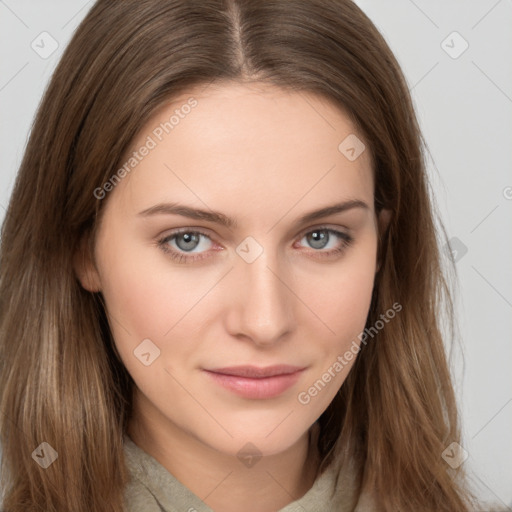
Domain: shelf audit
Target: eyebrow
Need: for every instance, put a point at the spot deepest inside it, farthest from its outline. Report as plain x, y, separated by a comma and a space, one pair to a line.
220, 218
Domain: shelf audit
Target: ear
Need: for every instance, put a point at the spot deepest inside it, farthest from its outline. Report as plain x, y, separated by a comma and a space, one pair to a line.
85, 267
383, 220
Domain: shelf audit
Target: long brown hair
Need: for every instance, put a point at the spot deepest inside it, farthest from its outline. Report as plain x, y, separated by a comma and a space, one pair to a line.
60, 379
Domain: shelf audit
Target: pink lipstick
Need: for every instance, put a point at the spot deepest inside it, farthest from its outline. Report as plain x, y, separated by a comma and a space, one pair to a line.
254, 382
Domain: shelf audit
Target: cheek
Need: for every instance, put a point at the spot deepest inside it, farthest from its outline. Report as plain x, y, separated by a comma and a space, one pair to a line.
144, 293
343, 306
149, 299
144, 303
342, 295
136, 301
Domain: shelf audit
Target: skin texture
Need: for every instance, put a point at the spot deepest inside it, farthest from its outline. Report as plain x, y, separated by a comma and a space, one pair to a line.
264, 157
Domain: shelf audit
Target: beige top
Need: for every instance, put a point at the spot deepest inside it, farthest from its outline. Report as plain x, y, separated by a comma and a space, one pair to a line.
153, 489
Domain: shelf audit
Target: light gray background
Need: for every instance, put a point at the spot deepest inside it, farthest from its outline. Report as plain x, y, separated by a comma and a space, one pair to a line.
465, 110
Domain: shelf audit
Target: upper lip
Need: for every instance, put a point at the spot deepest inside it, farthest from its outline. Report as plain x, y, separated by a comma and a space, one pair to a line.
256, 372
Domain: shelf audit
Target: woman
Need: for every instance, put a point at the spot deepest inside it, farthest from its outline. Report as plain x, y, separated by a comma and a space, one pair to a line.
194, 170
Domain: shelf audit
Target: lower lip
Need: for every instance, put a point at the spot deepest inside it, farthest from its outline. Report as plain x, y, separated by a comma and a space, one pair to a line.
259, 389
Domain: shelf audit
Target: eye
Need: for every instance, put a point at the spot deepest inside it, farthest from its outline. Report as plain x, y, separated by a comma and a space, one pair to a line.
179, 245
327, 238
189, 245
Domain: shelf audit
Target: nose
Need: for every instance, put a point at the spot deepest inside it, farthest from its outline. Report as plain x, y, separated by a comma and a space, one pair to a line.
262, 305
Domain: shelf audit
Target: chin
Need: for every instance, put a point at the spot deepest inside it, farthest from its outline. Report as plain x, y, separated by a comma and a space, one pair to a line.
264, 442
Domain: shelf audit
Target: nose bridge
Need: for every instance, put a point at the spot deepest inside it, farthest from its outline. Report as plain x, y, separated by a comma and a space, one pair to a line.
265, 308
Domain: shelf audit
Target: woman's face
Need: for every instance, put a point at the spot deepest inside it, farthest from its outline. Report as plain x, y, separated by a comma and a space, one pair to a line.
211, 258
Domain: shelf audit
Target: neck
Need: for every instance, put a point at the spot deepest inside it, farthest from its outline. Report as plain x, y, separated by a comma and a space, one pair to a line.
221, 480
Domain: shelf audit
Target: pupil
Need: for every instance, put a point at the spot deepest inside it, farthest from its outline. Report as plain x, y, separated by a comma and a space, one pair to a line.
319, 239
190, 240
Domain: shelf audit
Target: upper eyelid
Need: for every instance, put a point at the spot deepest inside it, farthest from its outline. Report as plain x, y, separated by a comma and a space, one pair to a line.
326, 227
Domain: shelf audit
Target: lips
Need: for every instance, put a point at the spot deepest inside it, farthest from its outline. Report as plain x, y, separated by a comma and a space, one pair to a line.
257, 373
256, 383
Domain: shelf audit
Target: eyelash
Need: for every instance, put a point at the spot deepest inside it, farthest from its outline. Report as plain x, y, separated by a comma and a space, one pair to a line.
179, 257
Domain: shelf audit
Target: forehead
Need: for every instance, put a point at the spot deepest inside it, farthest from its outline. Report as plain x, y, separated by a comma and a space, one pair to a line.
247, 145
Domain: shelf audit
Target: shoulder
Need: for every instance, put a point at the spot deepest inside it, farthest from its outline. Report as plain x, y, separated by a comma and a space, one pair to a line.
137, 496
348, 490
152, 488
334, 489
